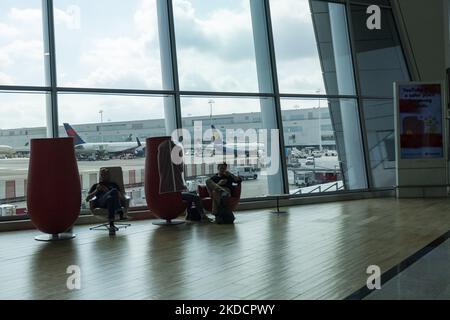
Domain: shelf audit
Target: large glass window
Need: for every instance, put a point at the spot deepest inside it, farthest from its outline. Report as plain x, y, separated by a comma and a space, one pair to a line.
23, 118
235, 130
21, 43
379, 119
323, 145
107, 44
215, 45
312, 47
109, 52
379, 54
109, 135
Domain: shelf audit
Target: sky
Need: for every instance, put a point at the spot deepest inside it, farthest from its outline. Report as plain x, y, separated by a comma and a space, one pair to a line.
115, 44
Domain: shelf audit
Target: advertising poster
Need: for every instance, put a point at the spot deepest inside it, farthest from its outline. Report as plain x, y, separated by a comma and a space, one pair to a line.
420, 115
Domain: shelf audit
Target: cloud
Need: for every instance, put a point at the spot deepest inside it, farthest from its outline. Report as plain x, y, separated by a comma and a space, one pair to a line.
7, 31
20, 110
4, 78
121, 62
117, 61
70, 18
224, 33
21, 47
293, 29
28, 16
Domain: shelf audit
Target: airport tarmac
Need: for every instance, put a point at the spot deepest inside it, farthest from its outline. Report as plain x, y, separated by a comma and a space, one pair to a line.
17, 168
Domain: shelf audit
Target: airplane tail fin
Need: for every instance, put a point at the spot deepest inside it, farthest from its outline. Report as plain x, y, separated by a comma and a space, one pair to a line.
72, 133
216, 135
138, 142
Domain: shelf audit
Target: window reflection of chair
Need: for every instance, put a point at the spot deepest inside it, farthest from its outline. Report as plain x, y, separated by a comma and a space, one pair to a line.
116, 176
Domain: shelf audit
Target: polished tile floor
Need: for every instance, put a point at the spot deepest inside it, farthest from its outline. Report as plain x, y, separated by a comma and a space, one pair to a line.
426, 279
316, 251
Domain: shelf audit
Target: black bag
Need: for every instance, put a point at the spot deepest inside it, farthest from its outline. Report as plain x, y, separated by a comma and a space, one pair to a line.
224, 215
193, 214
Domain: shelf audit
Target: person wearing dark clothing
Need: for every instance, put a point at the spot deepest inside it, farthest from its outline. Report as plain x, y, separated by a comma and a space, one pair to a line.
229, 180
107, 196
220, 186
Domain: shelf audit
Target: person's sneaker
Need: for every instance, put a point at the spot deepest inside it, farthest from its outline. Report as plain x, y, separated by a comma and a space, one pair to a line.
206, 218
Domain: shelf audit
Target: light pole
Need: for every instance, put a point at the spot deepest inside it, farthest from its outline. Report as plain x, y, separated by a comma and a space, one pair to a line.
101, 122
211, 103
320, 129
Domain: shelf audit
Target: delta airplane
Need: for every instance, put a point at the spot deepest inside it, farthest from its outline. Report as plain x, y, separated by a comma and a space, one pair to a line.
82, 147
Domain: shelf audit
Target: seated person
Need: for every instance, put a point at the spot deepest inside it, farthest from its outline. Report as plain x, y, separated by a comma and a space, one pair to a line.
108, 196
220, 186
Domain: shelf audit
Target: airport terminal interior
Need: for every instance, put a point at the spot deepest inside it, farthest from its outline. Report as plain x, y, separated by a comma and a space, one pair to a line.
331, 115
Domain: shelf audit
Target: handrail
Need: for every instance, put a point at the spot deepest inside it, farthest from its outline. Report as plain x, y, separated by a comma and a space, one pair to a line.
333, 185
318, 188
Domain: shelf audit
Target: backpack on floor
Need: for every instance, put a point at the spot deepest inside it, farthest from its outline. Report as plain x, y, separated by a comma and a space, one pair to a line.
224, 216
193, 214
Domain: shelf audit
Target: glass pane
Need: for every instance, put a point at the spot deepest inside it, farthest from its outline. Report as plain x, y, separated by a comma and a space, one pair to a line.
107, 44
110, 135
232, 130
312, 47
379, 54
23, 118
323, 145
215, 45
21, 43
379, 118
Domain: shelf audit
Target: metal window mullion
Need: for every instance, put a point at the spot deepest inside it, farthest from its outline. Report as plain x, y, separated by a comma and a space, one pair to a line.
360, 108
277, 98
13, 88
115, 91
52, 109
174, 59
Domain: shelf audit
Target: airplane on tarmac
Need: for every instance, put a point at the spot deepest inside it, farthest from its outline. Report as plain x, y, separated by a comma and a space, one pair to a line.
6, 151
218, 146
93, 148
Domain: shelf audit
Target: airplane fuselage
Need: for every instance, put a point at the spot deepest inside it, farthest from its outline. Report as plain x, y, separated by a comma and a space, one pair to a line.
109, 147
7, 150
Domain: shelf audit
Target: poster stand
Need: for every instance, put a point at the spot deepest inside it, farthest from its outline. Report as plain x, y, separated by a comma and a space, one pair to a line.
421, 140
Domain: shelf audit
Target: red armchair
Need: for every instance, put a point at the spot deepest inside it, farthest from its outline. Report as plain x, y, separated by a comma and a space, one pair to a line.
232, 202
